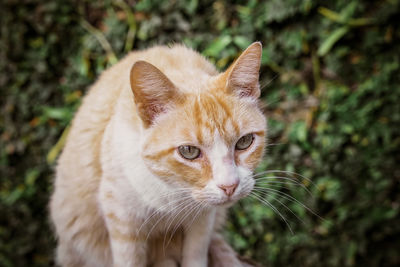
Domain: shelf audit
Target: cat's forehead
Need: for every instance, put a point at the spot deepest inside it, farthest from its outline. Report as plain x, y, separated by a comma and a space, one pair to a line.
210, 114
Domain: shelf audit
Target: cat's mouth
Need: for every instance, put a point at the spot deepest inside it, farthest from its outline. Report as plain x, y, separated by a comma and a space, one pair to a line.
218, 200
213, 200
229, 201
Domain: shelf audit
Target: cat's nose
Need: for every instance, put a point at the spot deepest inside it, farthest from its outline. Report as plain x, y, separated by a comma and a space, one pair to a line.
229, 189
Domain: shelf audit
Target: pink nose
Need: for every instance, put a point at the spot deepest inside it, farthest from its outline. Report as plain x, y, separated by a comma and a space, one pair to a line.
229, 189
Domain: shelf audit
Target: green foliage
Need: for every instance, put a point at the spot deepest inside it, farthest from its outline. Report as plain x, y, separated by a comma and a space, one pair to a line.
331, 84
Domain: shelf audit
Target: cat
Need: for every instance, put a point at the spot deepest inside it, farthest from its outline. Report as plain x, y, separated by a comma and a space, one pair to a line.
161, 146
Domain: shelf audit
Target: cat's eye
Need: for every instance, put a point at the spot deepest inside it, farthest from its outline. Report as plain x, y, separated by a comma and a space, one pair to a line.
244, 142
189, 152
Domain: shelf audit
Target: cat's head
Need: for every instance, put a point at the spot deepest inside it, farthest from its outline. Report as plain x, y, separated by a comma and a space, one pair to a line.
206, 141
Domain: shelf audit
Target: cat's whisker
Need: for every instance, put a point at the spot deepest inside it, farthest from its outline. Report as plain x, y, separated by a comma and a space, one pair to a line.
186, 215
172, 219
290, 198
161, 208
179, 223
184, 191
270, 174
274, 185
274, 144
266, 202
277, 178
198, 207
264, 84
289, 209
168, 203
248, 184
181, 205
290, 178
295, 174
266, 180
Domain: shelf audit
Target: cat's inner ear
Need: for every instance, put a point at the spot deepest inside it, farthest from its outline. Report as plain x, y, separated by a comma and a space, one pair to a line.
153, 92
242, 77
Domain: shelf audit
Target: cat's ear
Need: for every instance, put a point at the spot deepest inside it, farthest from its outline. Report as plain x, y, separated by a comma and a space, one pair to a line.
153, 92
242, 77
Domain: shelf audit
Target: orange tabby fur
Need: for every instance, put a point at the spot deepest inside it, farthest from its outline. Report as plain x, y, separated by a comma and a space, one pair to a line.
122, 190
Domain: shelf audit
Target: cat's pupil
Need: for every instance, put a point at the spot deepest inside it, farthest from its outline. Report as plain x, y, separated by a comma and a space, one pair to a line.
244, 142
189, 152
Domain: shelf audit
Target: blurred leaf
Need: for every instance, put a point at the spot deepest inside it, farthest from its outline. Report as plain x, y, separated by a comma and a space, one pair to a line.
57, 113
216, 47
56, 149
242, 42
298, 131
331, 40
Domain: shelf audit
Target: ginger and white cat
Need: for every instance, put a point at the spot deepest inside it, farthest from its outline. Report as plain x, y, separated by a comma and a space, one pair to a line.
160, 147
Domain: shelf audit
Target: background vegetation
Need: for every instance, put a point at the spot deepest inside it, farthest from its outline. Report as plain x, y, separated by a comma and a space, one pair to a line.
330, 77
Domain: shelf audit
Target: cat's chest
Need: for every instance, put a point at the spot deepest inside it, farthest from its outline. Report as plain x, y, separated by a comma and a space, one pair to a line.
169, 220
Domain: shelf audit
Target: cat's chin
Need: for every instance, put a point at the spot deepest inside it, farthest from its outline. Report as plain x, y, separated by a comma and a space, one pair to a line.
228, 202
224, 203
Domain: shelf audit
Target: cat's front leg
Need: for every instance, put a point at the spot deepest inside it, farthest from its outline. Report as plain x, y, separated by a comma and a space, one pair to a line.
128, 247
197, 240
